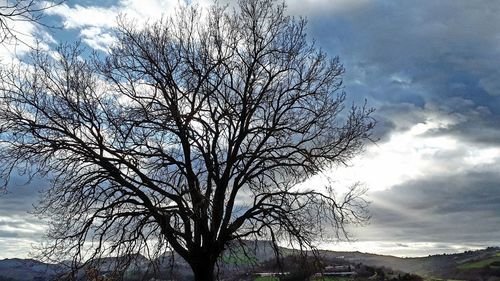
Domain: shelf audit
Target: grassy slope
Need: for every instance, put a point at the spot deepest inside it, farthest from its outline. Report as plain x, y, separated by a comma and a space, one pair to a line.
340, 279
267, 279
480, 264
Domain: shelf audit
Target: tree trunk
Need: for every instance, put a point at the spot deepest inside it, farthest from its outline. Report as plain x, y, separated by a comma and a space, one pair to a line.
203, 269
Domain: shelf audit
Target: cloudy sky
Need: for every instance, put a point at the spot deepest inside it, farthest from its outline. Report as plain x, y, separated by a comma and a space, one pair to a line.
430, 68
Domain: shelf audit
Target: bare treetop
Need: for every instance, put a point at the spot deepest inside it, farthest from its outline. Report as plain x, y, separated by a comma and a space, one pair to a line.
191, 134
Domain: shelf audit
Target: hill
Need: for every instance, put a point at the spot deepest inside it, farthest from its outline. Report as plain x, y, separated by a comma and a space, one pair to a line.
471, 265
26, 270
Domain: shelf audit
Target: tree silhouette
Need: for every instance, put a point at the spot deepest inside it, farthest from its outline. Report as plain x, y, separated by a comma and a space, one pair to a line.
191, 134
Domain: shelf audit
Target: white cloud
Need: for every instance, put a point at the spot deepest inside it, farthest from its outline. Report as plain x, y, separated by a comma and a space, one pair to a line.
24, 37
95, 22
97, 39
416, 153
18, 233
88, 18
402, 249
16, 247
27, 224
148, 9
79, 16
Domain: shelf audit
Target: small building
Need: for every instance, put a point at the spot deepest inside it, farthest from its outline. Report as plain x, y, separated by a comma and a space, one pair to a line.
337, 270
270, 274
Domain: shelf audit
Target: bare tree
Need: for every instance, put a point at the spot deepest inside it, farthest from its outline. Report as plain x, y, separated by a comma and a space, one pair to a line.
12, 11
191, 135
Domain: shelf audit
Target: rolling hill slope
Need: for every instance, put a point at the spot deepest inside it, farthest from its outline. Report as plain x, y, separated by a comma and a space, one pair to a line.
470, 265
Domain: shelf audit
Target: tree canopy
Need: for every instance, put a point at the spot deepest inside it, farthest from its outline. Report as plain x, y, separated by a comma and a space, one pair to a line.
191, 134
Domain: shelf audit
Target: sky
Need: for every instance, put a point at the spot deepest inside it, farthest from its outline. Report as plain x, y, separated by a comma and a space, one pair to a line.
430, 68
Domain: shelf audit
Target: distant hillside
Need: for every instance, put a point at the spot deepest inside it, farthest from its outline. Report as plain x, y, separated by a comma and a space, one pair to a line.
26, 270
140, 268
470, 265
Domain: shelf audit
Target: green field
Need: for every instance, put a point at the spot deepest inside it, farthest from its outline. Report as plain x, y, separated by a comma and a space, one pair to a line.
437, 279
331, 279
239, 257
481, 263
315, 279
267, 279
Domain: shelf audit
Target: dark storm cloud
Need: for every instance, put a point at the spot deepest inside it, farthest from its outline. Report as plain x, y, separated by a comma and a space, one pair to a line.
8, 234
15, 204
20, 195
411, 59
477, 124
459, 209
421, 53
